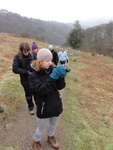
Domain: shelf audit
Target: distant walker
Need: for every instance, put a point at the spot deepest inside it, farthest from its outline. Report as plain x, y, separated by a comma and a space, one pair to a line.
63, 57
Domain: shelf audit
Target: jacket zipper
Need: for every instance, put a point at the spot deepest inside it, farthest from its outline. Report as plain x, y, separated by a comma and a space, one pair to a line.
43, 103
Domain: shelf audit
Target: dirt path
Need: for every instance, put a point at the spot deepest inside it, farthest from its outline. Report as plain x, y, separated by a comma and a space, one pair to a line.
20, 136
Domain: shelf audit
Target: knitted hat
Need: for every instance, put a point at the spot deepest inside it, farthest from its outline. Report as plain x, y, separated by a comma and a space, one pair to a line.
51, 47
34, 46
44, 54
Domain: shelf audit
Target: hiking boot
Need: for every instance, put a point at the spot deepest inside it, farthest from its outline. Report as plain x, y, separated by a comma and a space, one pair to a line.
37, 145
53, 142
1, 109
32, 112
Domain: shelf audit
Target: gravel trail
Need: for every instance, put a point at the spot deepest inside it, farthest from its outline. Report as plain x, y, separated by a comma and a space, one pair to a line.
20, 136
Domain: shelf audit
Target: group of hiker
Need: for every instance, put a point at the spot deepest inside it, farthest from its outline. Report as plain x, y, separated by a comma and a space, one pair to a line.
41, 79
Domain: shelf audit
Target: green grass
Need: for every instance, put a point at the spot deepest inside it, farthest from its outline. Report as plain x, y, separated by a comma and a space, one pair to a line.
12, 97
84, 130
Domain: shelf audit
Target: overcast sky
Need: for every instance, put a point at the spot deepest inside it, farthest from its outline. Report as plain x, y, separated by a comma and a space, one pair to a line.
61, 10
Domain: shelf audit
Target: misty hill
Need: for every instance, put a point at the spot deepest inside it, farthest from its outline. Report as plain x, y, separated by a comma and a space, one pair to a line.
49, 31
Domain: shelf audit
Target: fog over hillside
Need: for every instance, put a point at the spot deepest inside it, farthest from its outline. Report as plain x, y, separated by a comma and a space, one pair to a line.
94, 22
91, 23
49, 31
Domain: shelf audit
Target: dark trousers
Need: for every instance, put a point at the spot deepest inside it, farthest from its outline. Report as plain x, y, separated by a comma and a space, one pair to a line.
62, 62
29, 96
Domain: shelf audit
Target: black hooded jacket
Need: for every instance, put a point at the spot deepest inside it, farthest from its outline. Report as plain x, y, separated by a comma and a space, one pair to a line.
21, 66
48, 100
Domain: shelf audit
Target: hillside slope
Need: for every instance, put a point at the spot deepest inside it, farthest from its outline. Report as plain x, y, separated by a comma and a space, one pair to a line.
89, 99
87, 120
50, 31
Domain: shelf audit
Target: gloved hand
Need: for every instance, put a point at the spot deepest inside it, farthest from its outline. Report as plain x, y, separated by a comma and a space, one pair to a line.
59, 72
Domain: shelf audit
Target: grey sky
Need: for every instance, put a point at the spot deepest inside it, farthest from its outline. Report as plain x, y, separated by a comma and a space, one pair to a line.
61, 10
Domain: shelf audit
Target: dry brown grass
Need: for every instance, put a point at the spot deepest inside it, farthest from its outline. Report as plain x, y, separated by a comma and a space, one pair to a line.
97, 80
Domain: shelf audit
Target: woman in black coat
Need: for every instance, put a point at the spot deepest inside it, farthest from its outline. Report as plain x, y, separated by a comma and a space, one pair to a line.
46, 82
21, 66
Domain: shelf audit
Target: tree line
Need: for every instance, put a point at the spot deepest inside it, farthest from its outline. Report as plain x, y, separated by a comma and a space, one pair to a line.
50, 31
98, 39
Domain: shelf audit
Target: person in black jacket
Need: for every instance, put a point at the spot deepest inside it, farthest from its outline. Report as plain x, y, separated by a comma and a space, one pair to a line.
21, 66
46, 82
55, 55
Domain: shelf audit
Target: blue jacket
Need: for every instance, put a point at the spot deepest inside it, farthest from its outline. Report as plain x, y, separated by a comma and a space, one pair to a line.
62, 56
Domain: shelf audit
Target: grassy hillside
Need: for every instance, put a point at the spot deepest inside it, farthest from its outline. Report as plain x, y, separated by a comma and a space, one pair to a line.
88, 103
